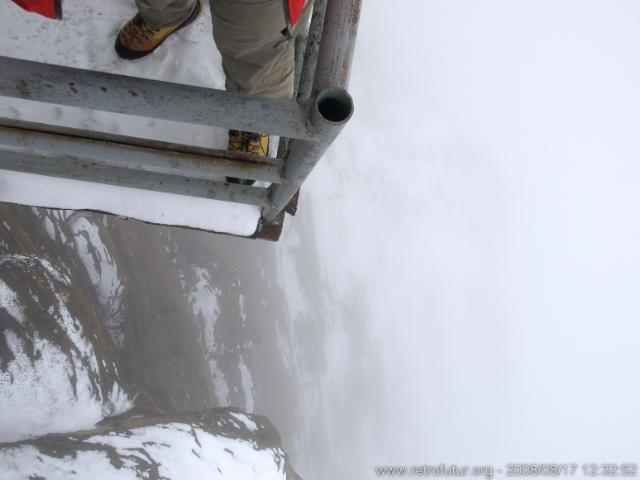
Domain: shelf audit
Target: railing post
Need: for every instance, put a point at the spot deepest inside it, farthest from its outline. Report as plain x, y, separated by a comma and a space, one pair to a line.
337, 45
329, 106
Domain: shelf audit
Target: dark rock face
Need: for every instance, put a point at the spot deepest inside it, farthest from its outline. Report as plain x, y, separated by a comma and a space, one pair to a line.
217, 443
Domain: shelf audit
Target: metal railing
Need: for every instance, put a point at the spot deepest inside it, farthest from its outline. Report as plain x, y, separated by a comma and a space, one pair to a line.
309, 123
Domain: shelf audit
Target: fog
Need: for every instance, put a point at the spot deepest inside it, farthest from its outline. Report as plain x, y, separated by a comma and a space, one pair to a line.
482, 204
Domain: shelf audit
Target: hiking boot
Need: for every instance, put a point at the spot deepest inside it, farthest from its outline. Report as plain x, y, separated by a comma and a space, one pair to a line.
247, 142
137, 38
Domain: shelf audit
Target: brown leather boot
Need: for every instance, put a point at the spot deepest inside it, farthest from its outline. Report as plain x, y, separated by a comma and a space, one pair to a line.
247, 142
138, 39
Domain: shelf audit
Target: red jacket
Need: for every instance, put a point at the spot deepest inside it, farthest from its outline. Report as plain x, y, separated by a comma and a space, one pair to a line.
48, 8
293, 9
53, 8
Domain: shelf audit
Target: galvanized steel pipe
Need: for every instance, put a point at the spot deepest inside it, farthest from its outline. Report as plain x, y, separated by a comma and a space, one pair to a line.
331, 106
109, 92
337, 44
329, 113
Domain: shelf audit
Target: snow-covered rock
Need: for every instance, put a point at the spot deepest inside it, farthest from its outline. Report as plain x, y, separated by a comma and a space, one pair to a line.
54, 374
215, 444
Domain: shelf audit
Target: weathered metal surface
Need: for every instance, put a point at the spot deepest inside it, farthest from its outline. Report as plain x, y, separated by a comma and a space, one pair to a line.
307, 45
292, 206
270, 230
308, 68
151, 98
211, 153
125, 165
330, 106
331, 110
337, 44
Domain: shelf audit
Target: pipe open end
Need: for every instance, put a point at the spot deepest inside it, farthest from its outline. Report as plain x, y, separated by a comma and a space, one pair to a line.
334, 105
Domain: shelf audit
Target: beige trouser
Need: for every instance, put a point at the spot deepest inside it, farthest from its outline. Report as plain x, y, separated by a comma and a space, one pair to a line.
257, 57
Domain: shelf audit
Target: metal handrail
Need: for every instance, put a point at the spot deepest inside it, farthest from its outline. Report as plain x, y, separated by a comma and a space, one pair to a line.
311, 123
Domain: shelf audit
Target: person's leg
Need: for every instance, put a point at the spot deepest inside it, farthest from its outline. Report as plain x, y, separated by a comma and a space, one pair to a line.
257, 57
161, 13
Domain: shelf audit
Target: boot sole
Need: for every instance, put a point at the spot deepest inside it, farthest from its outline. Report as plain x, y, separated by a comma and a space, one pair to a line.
128, 54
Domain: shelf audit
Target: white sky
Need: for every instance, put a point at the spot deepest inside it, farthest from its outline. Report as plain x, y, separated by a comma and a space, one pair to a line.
486, 199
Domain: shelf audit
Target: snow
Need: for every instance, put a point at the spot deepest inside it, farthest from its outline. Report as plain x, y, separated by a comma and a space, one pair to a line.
102, 270
204, 301
158, 207
39, 394
27, 462
40, 390
246, 421
52, 221
84, 39
246, 381
9, 301
216, 456
220, 384
49, 227
180, 451
96, 258
205, 297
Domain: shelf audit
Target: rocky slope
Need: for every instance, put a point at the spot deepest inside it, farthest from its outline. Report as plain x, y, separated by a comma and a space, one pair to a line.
100, 317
